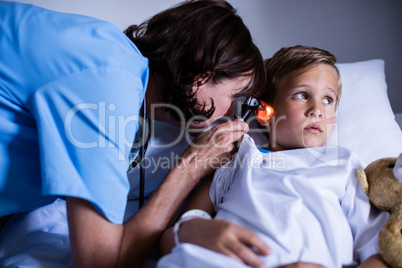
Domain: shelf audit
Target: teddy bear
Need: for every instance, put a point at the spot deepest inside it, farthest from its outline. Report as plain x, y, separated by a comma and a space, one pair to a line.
381, 180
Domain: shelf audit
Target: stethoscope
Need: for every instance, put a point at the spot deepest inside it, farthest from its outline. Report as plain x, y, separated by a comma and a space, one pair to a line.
140, 158
248, 106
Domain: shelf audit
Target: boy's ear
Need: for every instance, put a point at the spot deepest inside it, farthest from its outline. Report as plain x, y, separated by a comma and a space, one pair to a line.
264, 123
264, 114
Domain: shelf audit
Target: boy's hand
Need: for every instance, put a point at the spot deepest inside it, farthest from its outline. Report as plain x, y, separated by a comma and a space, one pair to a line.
224, 237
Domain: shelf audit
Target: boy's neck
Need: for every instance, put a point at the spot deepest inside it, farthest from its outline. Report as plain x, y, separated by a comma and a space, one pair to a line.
276, 148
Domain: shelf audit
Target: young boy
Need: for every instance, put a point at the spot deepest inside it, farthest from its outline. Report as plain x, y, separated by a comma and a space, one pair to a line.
300, 197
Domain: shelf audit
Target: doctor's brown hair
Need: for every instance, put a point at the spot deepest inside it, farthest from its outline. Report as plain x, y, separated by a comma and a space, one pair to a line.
198, 38
296, 58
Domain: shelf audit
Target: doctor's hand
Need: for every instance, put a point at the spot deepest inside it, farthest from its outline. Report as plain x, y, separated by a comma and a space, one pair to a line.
212, 148
224, 237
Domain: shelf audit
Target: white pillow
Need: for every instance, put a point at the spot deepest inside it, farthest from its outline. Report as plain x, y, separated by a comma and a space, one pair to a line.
365, 122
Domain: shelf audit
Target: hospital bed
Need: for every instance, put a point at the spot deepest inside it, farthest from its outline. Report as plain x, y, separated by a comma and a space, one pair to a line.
365, 124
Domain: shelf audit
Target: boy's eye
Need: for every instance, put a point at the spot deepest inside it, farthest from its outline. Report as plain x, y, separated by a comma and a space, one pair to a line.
327, 100
301, 96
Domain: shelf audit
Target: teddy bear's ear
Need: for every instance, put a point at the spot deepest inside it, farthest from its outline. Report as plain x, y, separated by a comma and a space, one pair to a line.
362, 178
398, 168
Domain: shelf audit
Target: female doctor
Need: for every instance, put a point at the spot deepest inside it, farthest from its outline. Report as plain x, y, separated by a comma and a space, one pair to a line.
71, 91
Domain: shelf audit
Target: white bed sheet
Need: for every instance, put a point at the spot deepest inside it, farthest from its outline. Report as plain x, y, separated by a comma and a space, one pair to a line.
271, 190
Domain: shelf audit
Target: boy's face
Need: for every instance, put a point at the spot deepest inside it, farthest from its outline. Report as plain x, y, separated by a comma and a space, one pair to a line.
304, 109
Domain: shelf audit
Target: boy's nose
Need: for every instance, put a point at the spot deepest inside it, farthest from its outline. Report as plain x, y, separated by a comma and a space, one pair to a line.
315, 113
315, 109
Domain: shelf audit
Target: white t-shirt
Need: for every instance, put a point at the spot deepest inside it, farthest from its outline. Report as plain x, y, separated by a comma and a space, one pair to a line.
306, 204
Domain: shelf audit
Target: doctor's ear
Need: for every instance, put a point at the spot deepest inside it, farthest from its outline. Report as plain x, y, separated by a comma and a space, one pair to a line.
200, 80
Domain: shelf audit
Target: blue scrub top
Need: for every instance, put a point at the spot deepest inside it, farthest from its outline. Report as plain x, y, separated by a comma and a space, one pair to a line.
71, 88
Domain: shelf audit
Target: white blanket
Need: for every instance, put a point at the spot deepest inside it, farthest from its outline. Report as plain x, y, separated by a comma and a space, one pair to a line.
306, 204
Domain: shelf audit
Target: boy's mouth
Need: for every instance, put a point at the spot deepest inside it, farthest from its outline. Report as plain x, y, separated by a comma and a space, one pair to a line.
313, 128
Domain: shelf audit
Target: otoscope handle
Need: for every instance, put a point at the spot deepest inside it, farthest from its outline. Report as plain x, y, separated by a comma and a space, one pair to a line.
248, 106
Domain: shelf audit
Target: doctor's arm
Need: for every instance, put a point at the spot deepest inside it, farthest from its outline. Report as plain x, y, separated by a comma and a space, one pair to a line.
96, 242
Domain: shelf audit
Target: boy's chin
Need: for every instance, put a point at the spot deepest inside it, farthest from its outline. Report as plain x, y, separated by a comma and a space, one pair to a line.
315, 140
311, 144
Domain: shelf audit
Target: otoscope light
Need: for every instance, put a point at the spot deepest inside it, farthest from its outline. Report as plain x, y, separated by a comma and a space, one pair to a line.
264, 113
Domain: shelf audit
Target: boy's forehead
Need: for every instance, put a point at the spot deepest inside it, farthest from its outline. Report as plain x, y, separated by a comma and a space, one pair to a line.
303, 78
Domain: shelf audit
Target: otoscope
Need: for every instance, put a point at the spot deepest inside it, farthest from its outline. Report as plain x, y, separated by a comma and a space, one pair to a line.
262, 110
248, 106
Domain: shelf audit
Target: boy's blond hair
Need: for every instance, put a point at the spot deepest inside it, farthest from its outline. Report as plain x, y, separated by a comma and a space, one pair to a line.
296, 58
